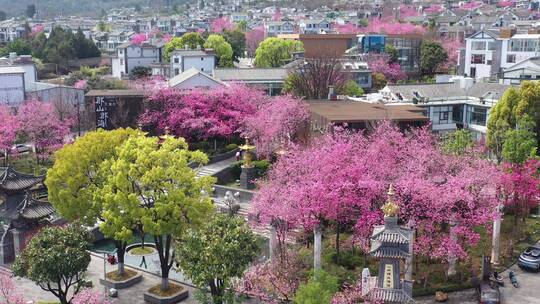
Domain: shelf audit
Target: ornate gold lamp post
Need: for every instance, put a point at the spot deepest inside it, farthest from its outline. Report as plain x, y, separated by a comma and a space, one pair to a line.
248, 171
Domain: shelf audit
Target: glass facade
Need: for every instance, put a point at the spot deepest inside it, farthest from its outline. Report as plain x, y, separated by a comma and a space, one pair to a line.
409, 51
476, 115
373, 43
523, 45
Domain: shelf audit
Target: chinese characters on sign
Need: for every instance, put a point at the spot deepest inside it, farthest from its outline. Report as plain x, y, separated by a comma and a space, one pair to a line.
104, 108
388, 276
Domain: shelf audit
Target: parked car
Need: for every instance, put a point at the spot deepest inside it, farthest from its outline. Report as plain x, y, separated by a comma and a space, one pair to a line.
530, 258
489, 293
21, 148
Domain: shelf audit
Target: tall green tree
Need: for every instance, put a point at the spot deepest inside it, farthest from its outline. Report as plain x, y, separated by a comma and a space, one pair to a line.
76, 176
432, 54
222, 48
59, 46
237, 40
151, 183
520, 143
83, 47
192, 40
320, 289
219, 251
56, 259
457, 142
30, 10
515, 104
38, 45
275, 52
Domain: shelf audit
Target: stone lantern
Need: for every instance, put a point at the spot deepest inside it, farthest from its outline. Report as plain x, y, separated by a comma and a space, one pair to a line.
248, 171
391, 244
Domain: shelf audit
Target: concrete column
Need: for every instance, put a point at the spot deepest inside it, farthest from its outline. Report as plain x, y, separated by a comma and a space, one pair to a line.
273, 242
409, 260
496, 238
17, 241
452, 261
317, 247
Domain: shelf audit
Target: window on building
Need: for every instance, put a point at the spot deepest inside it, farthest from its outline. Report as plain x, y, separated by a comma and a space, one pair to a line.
202, 58
478, 58
511, 58
479, 45
176, 60
442, 115
491, 45
121, 61
176, 71
476, 115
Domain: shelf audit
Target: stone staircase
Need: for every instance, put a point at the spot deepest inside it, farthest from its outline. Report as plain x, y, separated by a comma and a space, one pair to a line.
4, 270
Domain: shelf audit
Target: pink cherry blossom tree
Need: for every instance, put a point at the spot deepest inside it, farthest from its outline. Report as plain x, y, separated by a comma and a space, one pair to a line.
336, 180
201, 115
253, 38
277, 15
434, 9
347, 28
471, 5
40, 124
221, 24
9, 126
520, 187
138, 39
276, 123
452, 47
8, 291
407, 11
391, 71
376, 25
90, 296
36, 29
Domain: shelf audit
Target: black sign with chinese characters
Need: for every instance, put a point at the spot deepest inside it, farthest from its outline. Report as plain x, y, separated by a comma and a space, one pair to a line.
105, 107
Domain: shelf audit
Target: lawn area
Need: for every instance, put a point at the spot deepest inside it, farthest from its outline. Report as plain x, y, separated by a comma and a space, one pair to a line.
27, 163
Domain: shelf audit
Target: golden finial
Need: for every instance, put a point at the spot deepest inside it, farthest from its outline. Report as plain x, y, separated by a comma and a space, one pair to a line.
246, 149
390, 209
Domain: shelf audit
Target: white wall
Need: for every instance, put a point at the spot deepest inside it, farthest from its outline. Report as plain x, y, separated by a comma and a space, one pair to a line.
482, 70
202, 63
11, 89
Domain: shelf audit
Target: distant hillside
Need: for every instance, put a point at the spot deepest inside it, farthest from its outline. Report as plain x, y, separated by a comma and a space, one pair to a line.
52, 8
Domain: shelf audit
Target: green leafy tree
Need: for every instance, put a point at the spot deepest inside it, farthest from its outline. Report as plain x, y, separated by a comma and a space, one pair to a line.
392, 52
502, 118
457, 142
192, 40
320, 289
151, 184
237, 40
30, 10
520, 143
19, 46
274, 52
351, 88
242, 25
38, 45
219, 251
222, 48
379, 81
432, 54
83, 47
140, 72
3, 15
137, 7
56, 259
59, 47
76, 176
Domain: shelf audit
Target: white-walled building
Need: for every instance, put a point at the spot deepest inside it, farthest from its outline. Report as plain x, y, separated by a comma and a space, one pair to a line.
314, 26
518, 48
480, 52
23, 61
12, 86
185, 59
11, 29
274, 28
131, 55
528, 69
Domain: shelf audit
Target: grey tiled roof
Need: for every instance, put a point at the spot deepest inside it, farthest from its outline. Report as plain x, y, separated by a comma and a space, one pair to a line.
13, 181
33, 207
389, 295
449, 89
247, 75
388, 252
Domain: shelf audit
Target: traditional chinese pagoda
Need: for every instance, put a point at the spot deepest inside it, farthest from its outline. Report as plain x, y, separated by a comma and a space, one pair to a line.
390, 243
24, 209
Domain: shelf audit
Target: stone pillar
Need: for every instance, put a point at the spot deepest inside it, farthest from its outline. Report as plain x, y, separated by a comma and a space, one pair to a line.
247, 177
273, 242
409, 260
317, 247
496, 238
17, 241
452, 261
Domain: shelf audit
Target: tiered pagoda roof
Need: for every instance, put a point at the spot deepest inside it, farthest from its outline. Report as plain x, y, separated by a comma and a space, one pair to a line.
12, 181
389, 295
35, 207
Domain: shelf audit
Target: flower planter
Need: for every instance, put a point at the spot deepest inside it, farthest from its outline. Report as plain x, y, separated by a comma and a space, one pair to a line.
175, 298
123, 283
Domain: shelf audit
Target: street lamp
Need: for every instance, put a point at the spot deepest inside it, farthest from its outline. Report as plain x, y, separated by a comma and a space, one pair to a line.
105, 253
